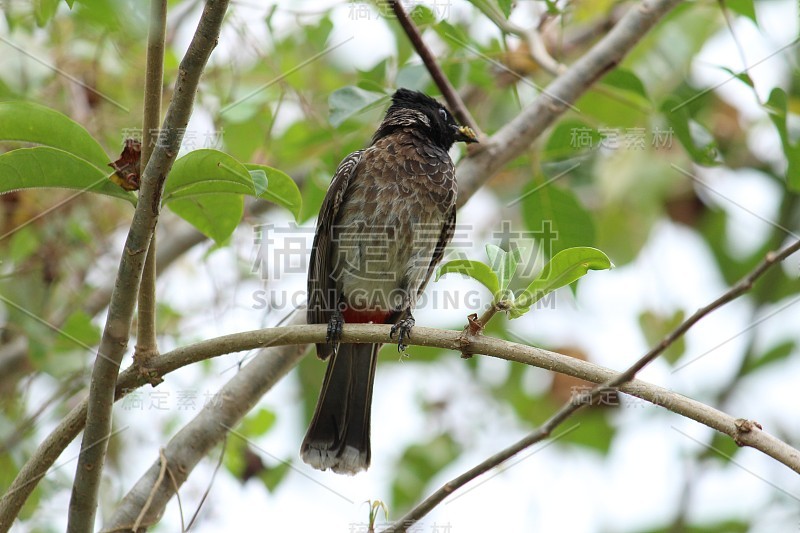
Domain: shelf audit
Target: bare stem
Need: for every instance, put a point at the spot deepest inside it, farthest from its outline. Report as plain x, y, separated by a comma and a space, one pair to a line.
83, 502
146, 342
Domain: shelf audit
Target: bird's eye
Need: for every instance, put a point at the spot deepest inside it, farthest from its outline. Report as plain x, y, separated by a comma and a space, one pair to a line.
443, 114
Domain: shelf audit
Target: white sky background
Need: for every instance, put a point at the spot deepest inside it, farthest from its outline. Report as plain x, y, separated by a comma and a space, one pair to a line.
556, 489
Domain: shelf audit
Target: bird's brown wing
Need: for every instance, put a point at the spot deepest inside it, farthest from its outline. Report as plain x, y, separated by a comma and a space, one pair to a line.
448, 230
321, 288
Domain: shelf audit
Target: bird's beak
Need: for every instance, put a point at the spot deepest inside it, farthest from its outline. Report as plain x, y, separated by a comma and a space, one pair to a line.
465, 134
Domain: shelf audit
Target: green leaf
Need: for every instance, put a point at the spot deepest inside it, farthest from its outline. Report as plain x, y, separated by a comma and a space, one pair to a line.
454, 35
277, 187
656, 327
594, 431
695, 138
565, 267
505, 7
44, 10
271, 476
419, 463
42, 166
743, 76
24, 242
77, 333
503, 264
494, 11
203, 172
775, 354
474, 269
722, 448
570, 138
422, 16
557, 218
205, 187
777, 108
214, 215
29, 122
258, 423
414, 77
746, 8
628, 82
349, 101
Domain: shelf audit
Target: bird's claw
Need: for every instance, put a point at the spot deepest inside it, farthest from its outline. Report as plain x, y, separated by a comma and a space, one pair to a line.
335, 328
403, 331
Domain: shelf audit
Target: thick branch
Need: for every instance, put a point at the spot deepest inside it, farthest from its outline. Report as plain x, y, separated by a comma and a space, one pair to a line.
146, 343
454, 101
204, 432
197, 438
83, 503
516, 136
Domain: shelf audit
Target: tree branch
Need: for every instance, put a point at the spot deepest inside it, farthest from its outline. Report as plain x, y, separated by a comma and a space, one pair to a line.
146, 342
262, 373
454, 101
83, 502
210, 426
473, 171
743, 430
531, 37
196, 439
516, 136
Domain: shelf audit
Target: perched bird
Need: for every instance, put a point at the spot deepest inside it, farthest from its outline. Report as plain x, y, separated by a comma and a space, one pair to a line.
385, 221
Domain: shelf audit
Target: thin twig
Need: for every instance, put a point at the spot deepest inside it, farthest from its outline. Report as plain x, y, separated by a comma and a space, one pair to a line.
177, 493
149, 501
532, 39
454, 101
582, 400
146, 342
83, 502
210, 483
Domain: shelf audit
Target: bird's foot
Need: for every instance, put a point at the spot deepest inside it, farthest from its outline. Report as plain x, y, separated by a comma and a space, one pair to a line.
335, 324
403, 331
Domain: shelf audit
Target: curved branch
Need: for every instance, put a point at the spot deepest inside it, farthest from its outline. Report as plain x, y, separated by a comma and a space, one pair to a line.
743, 431
207, 429
83, 503
516, 136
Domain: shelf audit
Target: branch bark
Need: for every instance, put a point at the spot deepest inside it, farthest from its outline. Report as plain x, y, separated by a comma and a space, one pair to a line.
195, 440
743, 429
83, 502
146, 342
516, 136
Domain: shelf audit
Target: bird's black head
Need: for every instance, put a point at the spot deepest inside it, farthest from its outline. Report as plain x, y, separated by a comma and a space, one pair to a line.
415, 110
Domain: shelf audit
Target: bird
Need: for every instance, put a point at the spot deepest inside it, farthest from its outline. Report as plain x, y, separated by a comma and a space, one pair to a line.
383, 226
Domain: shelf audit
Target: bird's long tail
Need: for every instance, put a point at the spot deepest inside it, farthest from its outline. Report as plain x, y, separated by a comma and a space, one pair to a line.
338, 436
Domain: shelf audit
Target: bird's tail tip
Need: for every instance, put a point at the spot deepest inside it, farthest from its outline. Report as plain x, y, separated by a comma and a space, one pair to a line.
321, 456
